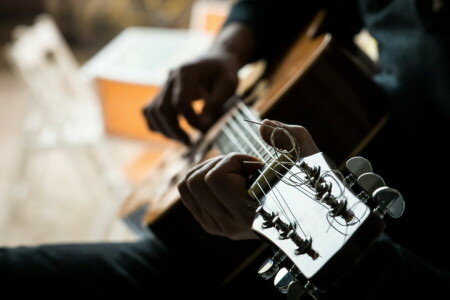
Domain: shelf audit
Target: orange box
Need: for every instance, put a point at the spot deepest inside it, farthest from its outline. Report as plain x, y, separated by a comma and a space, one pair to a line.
122, 105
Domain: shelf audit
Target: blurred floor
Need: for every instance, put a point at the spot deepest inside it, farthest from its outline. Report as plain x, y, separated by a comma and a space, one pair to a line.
56, 206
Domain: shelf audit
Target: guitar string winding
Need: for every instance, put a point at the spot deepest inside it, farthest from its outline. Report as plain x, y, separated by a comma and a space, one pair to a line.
331, 219
267, 157
300, 183
281, 206
277, 201
323, 175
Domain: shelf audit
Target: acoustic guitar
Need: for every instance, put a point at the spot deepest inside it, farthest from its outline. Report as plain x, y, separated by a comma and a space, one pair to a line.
316, 83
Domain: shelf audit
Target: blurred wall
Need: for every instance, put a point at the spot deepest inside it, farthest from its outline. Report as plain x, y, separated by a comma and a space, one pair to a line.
88, 25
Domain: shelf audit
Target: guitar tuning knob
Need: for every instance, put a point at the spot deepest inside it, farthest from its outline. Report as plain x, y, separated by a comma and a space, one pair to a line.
390, 201
369, 182
282, 280
286, 282
272, 265
356, 166
295, 290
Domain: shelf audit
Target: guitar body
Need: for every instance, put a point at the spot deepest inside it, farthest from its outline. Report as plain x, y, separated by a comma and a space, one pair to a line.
317, 84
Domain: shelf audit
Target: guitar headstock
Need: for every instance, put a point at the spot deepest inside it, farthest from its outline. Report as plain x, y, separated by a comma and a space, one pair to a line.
318, 219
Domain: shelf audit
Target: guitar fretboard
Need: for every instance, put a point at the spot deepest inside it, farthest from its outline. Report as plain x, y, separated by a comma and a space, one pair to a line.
239, 135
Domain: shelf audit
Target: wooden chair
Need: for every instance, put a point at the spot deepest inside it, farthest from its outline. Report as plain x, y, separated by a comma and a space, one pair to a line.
63, 111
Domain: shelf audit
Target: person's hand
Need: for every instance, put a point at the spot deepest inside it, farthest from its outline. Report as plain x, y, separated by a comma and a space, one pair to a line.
212, 77
216, 191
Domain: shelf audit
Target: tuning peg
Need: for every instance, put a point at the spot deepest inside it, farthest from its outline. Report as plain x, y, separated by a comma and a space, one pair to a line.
369, 182
356, 166
272, 265
295, 290
282, 280
390, 201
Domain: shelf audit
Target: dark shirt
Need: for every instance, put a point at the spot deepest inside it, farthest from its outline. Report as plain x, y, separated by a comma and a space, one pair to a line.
410, 153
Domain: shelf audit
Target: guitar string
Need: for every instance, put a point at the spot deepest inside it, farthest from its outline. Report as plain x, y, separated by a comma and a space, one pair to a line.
233, 139
292, 163
323, 175
284, 201
302, 188
344, 225
302, 183
329, 218
294, 148
233, 126
258, 139
329, 214
261, 147
257, 152
267, 196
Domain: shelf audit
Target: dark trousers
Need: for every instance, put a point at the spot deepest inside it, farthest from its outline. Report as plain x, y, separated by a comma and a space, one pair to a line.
93, 270
145, 269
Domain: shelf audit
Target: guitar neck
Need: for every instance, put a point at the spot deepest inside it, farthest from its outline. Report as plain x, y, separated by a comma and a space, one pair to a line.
239, 133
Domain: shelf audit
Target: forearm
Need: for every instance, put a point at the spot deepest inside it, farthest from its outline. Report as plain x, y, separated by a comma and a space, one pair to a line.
236, 41
257, 29
272, 25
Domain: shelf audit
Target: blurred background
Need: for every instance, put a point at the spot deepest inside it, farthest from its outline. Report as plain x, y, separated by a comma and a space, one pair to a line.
89, 25
74, 75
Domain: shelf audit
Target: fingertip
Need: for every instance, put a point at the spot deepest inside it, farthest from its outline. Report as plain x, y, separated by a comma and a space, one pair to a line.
273, 123
267, 127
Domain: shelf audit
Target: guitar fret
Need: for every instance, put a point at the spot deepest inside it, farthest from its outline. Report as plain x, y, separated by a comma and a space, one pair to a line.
251, 148
227, 146
254, 132
249, 114
233, 140
223, 143
238, 135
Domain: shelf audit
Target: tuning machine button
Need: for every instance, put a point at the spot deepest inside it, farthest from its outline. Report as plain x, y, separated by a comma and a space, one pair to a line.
295, 290
369, 182
287, 282
285, 278
356, 166
282, 280
272, 265
389, 201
